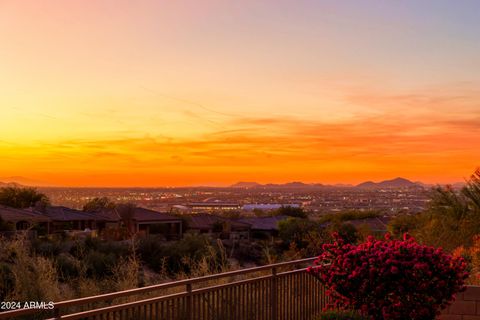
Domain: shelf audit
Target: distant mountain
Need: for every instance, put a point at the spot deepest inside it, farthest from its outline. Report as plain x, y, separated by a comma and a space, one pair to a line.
296, 184
343, 185
367, 184
8, 184
245, 184
17, 180
394, 183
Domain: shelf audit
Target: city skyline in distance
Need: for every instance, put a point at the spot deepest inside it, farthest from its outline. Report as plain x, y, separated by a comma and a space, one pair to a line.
398, 182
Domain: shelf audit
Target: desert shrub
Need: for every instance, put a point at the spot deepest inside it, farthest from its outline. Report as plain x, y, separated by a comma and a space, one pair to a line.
68, 267
98, 257
99, 264
34, 278
248, 252
346, 231
390, 279
7, 280
48, 248
118, 249
349, 215
402, 224
295, 230
152, 251
291, 212
190, 248
125, 274
472, 255
179, 256
91, 243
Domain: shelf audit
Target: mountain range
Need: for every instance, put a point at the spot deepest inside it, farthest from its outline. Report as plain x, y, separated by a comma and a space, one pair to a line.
393, 183
17, 180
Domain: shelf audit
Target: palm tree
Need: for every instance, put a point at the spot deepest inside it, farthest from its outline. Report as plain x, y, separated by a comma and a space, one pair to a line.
472, 191
453, 216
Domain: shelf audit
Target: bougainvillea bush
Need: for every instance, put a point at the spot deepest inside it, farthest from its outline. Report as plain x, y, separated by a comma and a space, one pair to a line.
389, 279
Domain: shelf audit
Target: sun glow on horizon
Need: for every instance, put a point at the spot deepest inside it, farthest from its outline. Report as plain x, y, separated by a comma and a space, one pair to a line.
117, 93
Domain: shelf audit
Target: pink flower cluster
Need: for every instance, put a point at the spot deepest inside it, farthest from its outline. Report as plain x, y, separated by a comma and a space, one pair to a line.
389, 279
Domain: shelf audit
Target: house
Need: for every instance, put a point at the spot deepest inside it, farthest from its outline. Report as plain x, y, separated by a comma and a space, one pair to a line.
376, 225
219, 227
68, 219
142, 222
109, 223
21, 219
264, 227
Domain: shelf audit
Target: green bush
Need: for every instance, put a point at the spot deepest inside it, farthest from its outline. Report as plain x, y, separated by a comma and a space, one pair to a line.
152, 252
180, 256
349, 215
68, 267
293, 230
100, 264
49, 248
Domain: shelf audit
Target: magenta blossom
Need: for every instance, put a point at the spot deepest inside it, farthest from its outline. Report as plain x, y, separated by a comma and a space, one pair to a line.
389, 279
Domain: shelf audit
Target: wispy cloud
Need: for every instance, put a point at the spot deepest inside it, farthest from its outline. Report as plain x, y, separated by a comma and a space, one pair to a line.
374, 145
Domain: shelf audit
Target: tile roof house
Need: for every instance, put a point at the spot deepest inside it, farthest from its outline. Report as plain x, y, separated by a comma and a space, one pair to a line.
21, 219
264, 226
142, 221
63, 218
219, 226
377, 224
57, 219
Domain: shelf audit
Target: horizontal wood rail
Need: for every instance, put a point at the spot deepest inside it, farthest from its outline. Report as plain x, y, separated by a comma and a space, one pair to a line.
267, 292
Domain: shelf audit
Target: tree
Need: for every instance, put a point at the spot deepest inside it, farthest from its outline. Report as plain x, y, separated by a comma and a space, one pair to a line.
402, 224
346, 231
291, 212
349, 215
296, 230
98, 205
453, 217
126, 212
472, 192
20, 198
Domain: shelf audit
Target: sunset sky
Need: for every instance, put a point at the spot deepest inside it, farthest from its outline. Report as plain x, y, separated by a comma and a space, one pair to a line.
211, 92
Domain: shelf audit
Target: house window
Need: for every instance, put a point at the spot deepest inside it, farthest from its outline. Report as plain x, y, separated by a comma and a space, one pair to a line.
22, 225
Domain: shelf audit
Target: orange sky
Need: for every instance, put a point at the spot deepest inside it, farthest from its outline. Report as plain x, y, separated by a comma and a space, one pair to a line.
151, 93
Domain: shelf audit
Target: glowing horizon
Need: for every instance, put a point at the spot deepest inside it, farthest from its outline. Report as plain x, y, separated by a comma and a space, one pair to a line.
116, 93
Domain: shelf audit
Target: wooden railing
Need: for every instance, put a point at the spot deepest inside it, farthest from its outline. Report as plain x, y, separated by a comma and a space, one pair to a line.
274, 292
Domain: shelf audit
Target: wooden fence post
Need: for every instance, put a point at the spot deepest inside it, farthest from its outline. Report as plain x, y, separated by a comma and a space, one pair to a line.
189, 308
274, 295
56, 313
